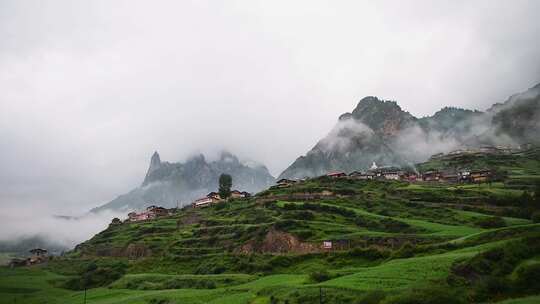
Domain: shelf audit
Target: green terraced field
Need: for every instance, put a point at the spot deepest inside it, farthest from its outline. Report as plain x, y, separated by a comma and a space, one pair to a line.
399, 239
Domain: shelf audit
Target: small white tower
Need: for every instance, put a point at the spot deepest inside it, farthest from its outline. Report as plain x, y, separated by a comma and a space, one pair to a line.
374, 166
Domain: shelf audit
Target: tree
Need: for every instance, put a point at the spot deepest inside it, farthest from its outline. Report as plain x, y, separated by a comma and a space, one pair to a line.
527, 199
225, 184
537, 195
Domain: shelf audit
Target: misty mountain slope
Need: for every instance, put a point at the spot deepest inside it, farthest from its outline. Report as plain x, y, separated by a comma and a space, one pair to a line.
166, 183
451, 120
380, 131
519, 117
515, 121
364, 136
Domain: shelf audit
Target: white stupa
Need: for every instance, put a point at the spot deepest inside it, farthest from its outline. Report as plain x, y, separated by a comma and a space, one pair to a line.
374, 166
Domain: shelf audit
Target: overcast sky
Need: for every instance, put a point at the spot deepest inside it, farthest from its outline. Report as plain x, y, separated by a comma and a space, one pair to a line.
89, 89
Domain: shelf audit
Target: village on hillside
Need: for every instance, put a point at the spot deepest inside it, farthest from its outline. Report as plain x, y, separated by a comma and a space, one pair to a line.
153, 211
375, 172
482, 150
411, 174
399, 174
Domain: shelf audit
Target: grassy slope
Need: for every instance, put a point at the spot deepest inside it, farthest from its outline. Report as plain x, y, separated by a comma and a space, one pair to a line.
368, 211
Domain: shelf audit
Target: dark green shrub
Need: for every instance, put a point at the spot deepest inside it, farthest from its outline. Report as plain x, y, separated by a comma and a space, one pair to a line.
490, 222
320, 276
535, 217
405, 251
371, 253
281, 261
285, 225
391, 225
209, 285
372, 297
487, 274
298, 215
345, 191
304, 234
490, 287
160, 301
96, 275
528, 278
428, 295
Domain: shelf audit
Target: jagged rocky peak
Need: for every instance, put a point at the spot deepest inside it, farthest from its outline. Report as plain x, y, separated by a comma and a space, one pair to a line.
384, 117
155, 163
198, 158
228, 157
168, 183
454, 111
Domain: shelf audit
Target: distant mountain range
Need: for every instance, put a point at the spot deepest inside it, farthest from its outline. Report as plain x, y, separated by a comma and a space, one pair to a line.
171, 184
375, 131
380, 131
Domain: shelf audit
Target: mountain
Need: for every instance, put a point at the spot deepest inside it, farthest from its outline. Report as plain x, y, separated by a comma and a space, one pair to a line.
168, 184
380, 131
358, 139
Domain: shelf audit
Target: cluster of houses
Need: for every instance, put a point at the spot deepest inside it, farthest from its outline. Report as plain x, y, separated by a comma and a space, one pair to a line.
483, 150
395, 173
458, 176
38, 256
152, 212
214, 198
447, 176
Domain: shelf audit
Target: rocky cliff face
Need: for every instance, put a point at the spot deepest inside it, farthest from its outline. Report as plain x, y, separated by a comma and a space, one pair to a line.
519, 116
385, 118
380, 131
155, 164
167, 184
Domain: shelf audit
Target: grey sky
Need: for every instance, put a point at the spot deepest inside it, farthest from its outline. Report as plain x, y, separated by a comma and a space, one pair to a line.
89, 89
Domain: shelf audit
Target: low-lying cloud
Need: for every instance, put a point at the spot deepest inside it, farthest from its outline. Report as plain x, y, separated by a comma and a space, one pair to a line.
57, 231
343, 135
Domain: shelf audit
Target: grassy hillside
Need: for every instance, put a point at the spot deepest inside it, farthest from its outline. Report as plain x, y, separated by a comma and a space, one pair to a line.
393, 242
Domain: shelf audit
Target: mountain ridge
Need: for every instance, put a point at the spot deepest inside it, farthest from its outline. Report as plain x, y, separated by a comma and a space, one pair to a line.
381, 131
177, 184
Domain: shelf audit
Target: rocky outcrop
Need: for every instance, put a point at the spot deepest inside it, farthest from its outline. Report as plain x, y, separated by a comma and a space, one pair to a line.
278, 242
155, 164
